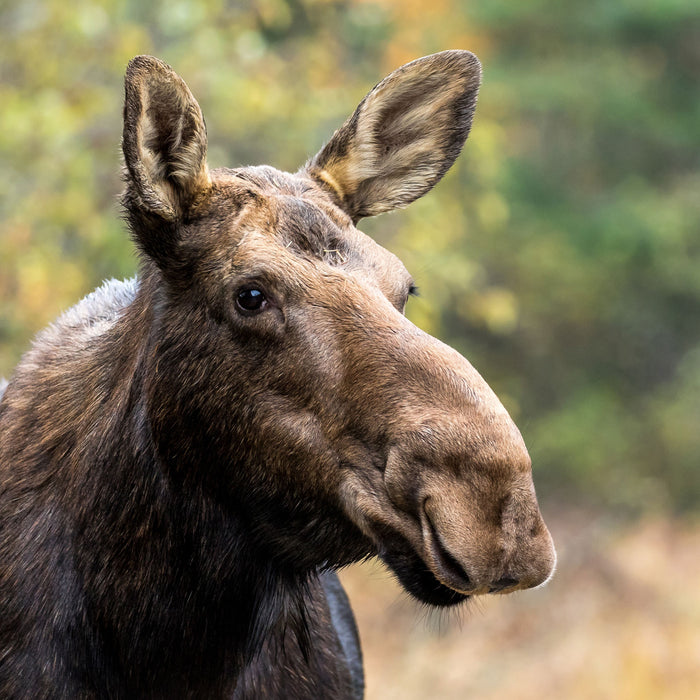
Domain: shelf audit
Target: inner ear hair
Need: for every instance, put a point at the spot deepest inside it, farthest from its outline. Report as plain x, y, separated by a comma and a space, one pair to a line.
403, 136
164, 140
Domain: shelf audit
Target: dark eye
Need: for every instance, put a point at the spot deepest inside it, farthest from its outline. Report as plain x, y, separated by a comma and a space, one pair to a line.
412, 292
250, 301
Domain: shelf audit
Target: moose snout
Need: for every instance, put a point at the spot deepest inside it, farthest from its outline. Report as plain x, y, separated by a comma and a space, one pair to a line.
458, 512
478, 524
472, 554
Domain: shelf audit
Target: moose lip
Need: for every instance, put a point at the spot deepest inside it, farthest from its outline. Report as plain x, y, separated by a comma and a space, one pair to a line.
418, 580
432, 576
415, 575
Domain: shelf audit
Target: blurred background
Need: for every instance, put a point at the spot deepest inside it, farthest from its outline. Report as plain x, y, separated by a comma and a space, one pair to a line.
561, 255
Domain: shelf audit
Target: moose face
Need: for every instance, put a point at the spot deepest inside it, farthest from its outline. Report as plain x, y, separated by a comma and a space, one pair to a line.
286, 363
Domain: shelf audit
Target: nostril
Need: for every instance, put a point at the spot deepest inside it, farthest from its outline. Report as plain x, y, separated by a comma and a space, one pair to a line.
453, 566
449, 566
502, 584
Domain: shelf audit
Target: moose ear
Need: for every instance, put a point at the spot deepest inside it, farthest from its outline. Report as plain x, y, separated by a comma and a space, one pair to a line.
164, 142
404, 135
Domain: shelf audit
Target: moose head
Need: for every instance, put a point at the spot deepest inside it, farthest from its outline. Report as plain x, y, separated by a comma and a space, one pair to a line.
285, 383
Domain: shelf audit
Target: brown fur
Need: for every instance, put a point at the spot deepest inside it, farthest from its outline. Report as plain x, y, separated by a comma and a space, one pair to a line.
176, 469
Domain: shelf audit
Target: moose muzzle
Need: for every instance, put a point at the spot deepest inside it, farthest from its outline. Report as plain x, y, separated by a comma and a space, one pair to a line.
455, 513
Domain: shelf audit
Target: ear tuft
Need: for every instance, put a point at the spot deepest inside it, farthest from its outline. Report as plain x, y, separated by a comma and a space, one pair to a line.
404, 135
164, 142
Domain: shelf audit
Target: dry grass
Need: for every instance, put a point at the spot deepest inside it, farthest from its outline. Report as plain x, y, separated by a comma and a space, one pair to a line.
621, 620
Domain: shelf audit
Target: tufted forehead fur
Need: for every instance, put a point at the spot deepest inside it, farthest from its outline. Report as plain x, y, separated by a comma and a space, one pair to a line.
287, 229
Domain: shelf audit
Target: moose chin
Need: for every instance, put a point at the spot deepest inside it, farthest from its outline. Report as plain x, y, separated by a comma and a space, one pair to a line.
187, 457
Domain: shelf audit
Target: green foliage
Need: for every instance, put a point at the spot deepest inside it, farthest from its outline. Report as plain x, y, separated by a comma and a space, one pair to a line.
561, 254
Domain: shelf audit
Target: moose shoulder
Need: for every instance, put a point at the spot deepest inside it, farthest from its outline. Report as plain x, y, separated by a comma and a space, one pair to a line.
186, 458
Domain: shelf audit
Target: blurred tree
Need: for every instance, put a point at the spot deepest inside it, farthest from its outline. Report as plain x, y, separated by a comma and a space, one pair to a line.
560, 254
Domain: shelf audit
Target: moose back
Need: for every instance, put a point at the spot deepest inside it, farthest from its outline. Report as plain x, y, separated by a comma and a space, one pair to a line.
187, 457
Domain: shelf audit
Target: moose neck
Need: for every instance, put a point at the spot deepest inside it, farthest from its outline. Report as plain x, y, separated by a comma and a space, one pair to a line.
175, 557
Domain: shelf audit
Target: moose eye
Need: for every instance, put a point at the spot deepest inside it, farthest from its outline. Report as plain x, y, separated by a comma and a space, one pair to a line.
412, 292
250, 301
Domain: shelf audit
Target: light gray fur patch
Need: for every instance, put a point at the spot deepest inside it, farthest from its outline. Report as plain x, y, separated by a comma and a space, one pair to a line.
101, 306
76, 328
95, 313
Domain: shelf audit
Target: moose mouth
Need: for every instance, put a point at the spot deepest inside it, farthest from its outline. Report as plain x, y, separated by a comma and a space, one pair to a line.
410, 543
413, 550
416, 576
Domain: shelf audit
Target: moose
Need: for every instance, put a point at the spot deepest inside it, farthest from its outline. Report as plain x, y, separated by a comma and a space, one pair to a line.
188, 457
